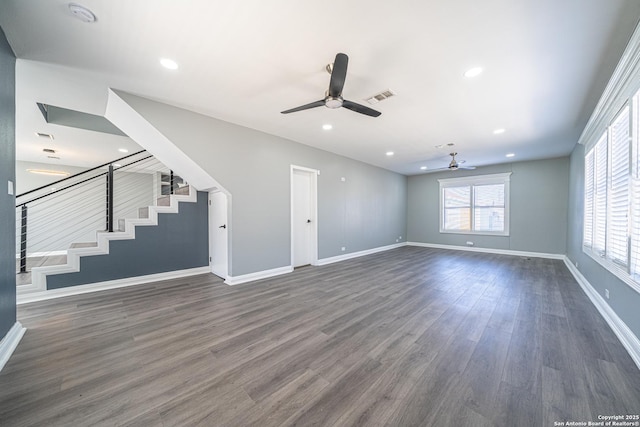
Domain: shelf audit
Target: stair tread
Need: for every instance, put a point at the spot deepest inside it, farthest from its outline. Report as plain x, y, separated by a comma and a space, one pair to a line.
83, 245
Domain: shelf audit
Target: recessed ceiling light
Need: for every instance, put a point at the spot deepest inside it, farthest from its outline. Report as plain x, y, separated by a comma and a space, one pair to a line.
390, 153
499, 131
82, 13
123, 150
327, 126
169, 64
48, 172
423, 168
511, 155
473, 72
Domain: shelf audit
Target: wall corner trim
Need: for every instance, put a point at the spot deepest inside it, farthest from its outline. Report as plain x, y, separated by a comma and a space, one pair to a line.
628, 339
338, 258
264, 274
10, 342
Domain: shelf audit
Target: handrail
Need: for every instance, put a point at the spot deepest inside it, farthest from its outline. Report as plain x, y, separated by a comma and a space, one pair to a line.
77, 174
81, 182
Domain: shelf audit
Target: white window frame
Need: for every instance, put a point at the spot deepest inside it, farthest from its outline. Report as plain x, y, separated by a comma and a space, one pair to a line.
622, 270
472, 181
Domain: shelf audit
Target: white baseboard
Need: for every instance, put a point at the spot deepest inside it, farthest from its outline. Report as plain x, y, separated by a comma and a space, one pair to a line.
628, 339
488, 250
288, 269
236, 280
9, 343
111, 284
338, 258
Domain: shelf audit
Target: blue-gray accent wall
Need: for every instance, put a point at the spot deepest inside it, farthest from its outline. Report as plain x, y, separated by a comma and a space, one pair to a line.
538, 208
179, 241
7, 173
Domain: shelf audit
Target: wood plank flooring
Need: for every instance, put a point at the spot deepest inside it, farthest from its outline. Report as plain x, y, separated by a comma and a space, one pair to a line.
408, 337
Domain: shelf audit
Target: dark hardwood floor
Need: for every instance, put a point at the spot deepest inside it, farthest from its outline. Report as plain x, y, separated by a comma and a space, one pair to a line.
407, 337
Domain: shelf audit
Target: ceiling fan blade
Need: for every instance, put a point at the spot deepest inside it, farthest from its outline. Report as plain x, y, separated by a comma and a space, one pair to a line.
360, 108
305, 107
338, 75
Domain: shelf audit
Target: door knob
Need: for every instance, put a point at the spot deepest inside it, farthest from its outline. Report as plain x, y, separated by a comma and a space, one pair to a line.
223, 226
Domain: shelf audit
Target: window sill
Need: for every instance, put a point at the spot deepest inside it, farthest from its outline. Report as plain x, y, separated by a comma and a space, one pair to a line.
614, 269
477, 233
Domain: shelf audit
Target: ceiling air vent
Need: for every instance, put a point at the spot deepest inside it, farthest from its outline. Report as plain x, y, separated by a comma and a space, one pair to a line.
380, 96
44, 135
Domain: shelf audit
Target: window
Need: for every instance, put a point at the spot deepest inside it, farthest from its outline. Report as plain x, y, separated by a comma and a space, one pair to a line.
475, 205
611, 233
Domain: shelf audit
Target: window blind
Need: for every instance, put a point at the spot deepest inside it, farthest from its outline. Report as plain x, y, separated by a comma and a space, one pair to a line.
457, 208
634, 259
600, 199
618, 190
587, 239
488, 203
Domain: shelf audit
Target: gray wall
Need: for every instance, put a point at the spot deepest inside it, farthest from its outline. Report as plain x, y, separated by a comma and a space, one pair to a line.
622, 298
178, 242
366, 211
7, 173
538, 218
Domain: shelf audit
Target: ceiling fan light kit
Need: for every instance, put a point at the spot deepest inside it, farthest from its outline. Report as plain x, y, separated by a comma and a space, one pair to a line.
333, 96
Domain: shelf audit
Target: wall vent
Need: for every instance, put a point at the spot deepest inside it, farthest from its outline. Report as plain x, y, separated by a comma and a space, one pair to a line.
380, 96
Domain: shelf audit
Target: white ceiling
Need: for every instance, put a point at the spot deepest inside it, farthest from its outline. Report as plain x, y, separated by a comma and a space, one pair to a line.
545, 64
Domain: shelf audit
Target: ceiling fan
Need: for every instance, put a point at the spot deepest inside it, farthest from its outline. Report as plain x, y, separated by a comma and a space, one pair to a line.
333, 96
454, 165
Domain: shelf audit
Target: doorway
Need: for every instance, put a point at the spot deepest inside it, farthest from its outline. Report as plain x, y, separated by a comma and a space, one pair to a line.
304, 227
219, 233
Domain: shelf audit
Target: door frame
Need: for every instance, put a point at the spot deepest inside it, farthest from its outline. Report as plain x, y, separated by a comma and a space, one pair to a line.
227, 273
313, 173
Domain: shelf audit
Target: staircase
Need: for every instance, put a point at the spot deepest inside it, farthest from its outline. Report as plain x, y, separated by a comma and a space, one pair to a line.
147, 216
140, 169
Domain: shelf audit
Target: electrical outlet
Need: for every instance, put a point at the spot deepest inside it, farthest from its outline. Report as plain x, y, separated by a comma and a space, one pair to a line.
399, 237
606, 293
343, 179
343, 249
397, 240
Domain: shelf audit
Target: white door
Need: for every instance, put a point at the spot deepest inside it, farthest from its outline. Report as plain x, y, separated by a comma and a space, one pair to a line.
303, 217
219, 231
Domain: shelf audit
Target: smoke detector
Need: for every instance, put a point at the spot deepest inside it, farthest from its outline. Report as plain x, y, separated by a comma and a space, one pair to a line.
82, 13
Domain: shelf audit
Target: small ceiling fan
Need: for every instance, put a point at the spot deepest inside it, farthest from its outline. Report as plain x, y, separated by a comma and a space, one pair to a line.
333, 96
455, 164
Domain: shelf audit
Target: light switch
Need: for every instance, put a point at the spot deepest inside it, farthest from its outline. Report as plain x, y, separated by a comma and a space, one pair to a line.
10, 187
